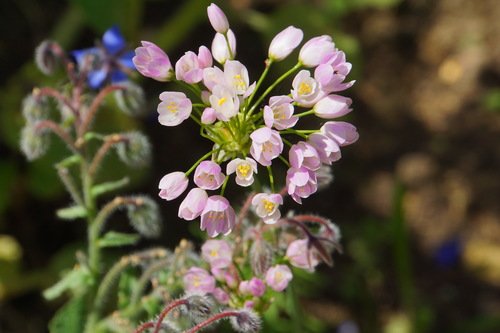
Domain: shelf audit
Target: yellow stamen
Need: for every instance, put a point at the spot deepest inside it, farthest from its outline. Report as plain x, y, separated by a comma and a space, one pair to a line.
244, 169
304, 88
222, 101
213, 253
268, 205
172, 107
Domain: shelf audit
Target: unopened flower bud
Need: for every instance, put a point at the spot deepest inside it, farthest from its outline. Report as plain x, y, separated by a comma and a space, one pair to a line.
220, 50
284, 43
261, 257
246, 321
35, 108
316, 51
151, 61
172, 185
130, 99
144, 216
34, 143
46, 58
199, 307
217, 18
135, 149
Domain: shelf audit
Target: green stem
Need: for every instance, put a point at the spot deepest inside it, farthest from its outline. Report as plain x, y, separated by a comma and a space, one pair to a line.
259, 82
224, 184
201, 159
271, 178
272, 86
284, 161
305, 113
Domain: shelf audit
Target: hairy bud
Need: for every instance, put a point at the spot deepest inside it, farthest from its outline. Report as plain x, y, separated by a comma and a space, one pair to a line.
144, 216
199, 307
135, 150
246, 322
261, 257
130, 99
35, 108
34, 143
46, 57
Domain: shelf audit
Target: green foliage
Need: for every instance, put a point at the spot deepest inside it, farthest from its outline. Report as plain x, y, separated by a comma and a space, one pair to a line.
106, 187
72, 213
77, 280
70, 318
115, 239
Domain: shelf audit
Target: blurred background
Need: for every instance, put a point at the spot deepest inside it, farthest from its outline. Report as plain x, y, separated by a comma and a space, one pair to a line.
417, 197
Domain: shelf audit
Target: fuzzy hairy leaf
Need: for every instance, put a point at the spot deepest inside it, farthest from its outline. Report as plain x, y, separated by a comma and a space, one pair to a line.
115, 239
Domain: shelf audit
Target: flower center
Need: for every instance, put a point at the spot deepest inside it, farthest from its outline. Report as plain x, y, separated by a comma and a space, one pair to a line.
238, 82
172, 107
213, 253
268, 205
304, 88
222, 101
243, 169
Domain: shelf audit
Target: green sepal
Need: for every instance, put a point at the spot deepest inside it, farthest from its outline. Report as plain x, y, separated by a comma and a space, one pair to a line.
77, 279
99, 189
69, 161
114, 239
72, 213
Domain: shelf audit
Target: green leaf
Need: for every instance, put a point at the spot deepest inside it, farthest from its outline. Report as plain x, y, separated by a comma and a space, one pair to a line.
77, 279
70, 318
71, 213
114, 239
109, 186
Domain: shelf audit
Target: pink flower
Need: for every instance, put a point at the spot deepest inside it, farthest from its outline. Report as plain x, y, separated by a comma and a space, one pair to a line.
301, 256
306, 91
198, 280
192, 206
218, 253
332, 73
279, 113
343, 133
254, 287
266, 145
328, 150
221, 296
208, 175
236, 75
244, 169
301, 183
208, 116
332, 106
213, 76
172, 185
284, 43
305, 155
266, 206
218, 217
220, 50
152, 62
217, 18
316, 51
174, 108
225, 102
278, 277
189, 68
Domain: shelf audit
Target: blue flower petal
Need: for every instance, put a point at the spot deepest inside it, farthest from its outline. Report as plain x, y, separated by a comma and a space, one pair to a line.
96, 78
118, 76
113, 40
126, 59
448, 253
80, 55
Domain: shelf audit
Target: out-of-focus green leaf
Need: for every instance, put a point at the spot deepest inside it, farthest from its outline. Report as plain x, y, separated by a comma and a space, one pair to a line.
76, 279
492, 100
114, 239
109, 186
71, 213
70, 318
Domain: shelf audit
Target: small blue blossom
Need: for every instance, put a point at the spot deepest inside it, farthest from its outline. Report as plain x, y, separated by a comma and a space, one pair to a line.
448, 253
110, 60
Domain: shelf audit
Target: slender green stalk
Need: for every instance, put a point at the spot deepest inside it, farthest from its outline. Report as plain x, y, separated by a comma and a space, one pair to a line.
271, 178
305, 113
268, 63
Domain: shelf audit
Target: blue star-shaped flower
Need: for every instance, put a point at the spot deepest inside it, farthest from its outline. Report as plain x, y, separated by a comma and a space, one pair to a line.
109, 62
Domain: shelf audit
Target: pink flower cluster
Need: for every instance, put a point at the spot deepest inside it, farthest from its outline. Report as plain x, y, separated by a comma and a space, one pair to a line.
246, 132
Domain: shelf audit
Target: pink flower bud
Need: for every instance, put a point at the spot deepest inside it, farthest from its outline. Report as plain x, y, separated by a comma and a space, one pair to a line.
332, 106
221, 296
266, 206
278, 277
192, 206
208, 175
301, 183
174, 108
217, 19
220, 50
152, 62
204, 57
188, 69
254, 287
328, 150
172, 185
208, 116
198, 280
218, 253
284, 43
343, 133
316, 51
332, 73
218, 217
